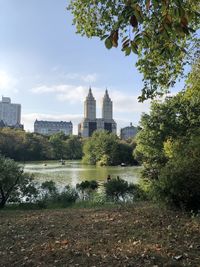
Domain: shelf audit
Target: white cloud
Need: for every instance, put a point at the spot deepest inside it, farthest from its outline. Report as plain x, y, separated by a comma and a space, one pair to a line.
7, 83
87, 78
63, 92
128, 103
4, 79
90, 78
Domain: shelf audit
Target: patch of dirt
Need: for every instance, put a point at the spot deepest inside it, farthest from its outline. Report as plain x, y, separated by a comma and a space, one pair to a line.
141, 235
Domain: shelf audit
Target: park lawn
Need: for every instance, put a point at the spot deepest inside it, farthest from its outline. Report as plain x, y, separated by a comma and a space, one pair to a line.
139, 235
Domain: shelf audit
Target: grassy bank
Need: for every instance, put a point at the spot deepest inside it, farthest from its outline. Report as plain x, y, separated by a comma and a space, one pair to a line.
139, 235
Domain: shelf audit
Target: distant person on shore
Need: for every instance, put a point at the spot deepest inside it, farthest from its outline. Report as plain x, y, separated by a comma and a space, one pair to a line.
108, 178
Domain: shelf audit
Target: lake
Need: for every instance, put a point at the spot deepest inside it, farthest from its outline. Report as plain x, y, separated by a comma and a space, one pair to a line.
74, 172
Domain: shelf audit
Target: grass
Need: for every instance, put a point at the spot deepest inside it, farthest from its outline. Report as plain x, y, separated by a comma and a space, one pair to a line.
142, 234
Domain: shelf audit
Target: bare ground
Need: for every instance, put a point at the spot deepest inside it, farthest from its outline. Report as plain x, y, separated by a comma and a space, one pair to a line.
140, 235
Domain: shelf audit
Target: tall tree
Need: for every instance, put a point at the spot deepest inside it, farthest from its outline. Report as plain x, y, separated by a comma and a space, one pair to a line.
73, 148
168, 144
161, 32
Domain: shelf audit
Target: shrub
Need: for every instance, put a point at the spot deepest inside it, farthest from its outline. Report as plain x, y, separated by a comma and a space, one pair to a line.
179, 185
49, 188
137, 192
67, 197
15, 185
119, 189
87, 185
50, 195
86, 188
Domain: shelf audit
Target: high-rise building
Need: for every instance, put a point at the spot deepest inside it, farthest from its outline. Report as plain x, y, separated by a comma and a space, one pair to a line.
52, 127
10, 113
90, 106
90, 123
107, 110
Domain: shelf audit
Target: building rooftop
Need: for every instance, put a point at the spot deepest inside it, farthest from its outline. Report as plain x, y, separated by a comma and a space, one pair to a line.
6, 100
55, 123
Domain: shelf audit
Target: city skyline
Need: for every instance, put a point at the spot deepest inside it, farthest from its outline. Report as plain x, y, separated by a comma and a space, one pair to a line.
47, 68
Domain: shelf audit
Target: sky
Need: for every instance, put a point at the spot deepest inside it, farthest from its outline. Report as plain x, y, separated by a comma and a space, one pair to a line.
47, 68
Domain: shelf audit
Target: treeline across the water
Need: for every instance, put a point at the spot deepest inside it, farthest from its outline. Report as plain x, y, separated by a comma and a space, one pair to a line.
25, 146
102, 148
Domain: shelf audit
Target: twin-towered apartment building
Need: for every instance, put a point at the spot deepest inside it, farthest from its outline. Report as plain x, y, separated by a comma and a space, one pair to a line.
90, 123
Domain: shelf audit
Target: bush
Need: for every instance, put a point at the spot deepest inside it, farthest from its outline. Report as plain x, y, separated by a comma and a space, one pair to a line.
67, 197
15, 185
49, 189
179, 185
87, 185
50, 195
118, 189
42, 204
87, 188
137, 192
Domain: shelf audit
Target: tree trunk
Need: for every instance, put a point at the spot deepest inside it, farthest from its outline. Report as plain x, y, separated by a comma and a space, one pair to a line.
2, 198
2, 202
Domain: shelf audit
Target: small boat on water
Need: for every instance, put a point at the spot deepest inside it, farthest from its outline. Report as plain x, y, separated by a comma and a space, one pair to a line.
62, 162
123, 164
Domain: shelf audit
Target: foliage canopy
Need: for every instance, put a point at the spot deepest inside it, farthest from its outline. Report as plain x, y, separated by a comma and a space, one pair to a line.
169, 146
161, 32
24, 146
14, 183
104, 148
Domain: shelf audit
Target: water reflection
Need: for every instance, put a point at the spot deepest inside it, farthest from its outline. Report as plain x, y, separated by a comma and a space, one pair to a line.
74, 172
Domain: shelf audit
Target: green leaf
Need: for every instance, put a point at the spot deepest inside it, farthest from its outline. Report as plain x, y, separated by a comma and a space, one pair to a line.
134, 47
104, 37
108, 43
128, 51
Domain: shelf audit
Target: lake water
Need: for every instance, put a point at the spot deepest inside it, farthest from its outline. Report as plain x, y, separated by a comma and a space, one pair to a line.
74, 172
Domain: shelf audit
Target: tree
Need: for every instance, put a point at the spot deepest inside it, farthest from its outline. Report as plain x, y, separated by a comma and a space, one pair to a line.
37, 147
14, 183
101, 148
172, 119
161, 33
178, 183
74, 147
105, 148
59, 145
126, 152
12, 143
22, 146
168, 144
